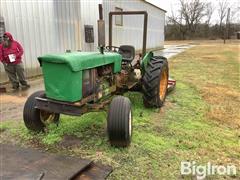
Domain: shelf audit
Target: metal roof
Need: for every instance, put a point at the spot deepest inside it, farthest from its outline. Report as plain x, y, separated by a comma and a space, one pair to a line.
154, 6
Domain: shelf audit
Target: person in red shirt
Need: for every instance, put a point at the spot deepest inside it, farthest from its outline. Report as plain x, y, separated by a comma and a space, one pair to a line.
11, 56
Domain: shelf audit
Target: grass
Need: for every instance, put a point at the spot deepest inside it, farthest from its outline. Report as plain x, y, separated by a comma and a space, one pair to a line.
199, 122
214, 71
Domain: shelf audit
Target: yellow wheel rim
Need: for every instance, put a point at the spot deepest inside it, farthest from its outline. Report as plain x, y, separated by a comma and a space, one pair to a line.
163, 85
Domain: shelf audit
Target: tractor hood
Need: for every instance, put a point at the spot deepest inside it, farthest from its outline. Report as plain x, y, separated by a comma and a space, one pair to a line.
78, 61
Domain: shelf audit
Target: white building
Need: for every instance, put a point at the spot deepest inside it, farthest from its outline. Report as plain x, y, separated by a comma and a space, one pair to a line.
47, 26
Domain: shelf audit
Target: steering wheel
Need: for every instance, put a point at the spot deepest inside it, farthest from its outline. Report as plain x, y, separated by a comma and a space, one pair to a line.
112, 48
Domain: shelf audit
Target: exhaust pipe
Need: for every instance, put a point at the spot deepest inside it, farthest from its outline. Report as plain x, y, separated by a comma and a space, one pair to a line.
101, 30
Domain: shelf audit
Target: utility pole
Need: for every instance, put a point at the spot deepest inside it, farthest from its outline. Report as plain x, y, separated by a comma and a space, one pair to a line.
226, 31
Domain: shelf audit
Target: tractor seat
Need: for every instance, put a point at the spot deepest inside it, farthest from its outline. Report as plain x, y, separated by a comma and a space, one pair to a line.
127, 52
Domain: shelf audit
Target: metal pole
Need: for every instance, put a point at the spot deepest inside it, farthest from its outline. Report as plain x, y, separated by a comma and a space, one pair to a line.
144, 34
100, 9
225, 31
110, 30
101, 29
227, 23
130, 13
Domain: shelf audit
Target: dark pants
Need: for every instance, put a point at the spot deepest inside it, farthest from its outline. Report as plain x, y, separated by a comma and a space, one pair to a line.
15, 74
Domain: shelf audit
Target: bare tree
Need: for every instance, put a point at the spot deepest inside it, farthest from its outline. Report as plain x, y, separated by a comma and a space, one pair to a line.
235, 14
193, 19
193, 11
209, 9
177, 20
222, 12
188, 16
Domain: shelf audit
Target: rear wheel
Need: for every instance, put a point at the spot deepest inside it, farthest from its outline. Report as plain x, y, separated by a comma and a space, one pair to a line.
36, 119
155, 82
119, 122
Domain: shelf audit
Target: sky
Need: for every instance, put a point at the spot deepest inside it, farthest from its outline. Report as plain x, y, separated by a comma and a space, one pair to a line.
174, 4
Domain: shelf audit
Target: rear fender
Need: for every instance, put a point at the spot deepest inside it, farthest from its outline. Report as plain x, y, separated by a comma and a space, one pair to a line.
145, 61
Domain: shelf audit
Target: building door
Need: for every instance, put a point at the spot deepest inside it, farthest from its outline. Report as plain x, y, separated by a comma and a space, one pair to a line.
2, 28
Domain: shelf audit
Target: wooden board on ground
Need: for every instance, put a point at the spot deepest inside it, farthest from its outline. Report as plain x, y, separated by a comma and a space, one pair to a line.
21, 163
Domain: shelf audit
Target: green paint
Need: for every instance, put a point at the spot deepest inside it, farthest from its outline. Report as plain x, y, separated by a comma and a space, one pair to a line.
78, 61
145, 61
63, 72
61, 83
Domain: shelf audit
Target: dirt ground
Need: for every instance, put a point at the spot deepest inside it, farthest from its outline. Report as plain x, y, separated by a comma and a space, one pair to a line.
12, 102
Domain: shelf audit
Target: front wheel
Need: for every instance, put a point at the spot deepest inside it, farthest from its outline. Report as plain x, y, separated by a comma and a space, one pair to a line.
36, 119
119, 122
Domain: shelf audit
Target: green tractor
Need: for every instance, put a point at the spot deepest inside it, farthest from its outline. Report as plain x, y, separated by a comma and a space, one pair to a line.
80, 82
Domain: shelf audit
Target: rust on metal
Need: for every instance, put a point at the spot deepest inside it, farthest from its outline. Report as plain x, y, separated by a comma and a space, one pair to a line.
3, 90
123, 77
75, 109
105, 70
98, 106
59, 107
94, 171
126, 79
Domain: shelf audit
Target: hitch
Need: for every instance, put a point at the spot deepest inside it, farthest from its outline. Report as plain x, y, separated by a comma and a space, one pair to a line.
171, 85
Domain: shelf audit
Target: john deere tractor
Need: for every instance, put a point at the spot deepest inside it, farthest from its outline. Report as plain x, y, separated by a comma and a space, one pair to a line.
80, 82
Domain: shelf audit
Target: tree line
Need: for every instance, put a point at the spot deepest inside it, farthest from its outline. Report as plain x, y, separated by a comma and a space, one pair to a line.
194, 20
